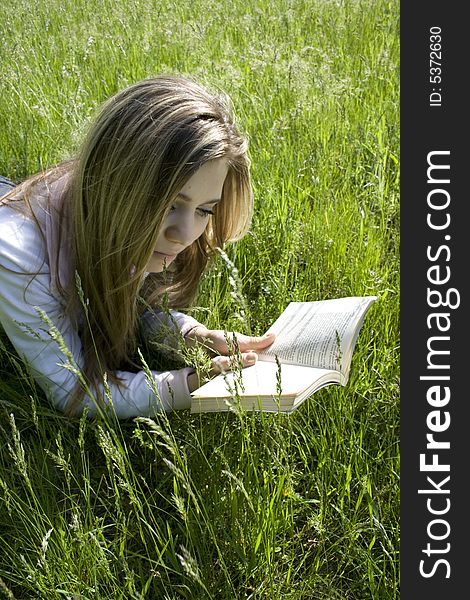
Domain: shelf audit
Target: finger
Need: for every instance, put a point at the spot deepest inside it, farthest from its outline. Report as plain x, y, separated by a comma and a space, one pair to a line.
224, 364
249, 358
255, 343
220, 364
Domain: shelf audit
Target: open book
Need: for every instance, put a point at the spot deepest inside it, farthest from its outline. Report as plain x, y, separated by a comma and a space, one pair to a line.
313, 348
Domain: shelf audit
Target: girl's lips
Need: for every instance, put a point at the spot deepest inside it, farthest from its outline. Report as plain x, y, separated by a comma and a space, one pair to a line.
166, 257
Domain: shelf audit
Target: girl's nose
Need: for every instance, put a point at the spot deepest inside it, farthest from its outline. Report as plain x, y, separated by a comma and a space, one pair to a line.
180, 232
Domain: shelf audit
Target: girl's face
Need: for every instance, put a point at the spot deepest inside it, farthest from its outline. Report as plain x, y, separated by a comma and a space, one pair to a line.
188, 216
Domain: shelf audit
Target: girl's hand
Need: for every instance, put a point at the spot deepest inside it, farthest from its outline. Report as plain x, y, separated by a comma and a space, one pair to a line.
215, 343
214, 340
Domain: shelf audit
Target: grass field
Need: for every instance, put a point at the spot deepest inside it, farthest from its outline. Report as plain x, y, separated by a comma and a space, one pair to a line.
222, 506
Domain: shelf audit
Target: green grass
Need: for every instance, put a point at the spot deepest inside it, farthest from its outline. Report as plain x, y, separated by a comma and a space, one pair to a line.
222, 506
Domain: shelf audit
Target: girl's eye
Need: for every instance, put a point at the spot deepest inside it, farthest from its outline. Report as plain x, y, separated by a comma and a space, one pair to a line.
205, 212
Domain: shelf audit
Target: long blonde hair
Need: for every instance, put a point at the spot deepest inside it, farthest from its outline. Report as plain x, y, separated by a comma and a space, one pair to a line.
143, 146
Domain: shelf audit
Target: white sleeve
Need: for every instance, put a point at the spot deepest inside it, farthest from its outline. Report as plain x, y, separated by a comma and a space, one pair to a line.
21, 252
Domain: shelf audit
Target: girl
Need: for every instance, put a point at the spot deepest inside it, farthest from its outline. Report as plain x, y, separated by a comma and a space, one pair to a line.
162, 180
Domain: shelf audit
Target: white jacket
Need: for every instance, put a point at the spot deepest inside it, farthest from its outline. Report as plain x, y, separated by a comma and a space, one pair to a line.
22, 253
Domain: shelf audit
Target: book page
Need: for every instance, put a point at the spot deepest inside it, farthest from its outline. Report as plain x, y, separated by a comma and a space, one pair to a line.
263, 380
319, 334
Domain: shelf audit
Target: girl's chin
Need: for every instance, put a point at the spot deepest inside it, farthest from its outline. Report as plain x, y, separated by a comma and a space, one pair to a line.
159, 262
